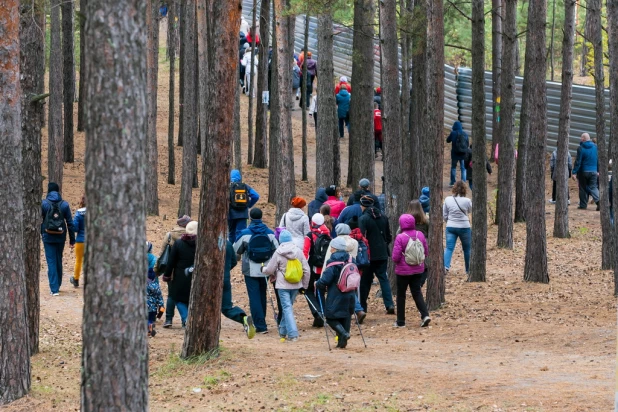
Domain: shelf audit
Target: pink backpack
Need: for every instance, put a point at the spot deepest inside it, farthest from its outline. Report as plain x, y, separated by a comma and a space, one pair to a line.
349, 279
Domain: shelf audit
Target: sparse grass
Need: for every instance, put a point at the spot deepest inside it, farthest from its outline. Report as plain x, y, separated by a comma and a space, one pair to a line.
176, 366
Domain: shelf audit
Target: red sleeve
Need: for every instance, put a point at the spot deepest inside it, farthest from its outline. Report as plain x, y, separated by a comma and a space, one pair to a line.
307, 247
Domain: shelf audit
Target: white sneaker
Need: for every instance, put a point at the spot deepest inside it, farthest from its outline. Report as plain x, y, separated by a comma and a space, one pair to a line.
552, 202
425, 322
568, 202
396, 325
56, 294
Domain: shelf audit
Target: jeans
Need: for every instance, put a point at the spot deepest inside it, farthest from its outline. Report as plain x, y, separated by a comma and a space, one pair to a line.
454, 170
227, 308
377, 268
79, 260
152, 318
588, 186
357, 305
465, 235
343, 120
256, 289
234, 227
183, 309
414, 282
53, 256
170, 306
288, 323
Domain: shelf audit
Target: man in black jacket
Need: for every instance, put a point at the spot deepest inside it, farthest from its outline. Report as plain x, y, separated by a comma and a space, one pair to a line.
374, 226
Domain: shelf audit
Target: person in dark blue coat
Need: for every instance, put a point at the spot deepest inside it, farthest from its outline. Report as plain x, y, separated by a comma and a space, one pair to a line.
53, 243
227, 307
315, 205
237, 216
457, 155
343, 110
350, 211
586, 171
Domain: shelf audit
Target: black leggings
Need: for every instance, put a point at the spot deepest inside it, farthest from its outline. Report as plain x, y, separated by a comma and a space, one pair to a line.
414, 282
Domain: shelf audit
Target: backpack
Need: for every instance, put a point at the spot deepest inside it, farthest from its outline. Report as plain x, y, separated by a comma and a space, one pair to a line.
415, 252
349, 278
239, 195
362, 258
460, 145
54, 219
319, 248
259, 248
293, 271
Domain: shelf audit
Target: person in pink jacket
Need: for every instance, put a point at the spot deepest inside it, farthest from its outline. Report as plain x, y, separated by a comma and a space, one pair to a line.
409, 276
334, 201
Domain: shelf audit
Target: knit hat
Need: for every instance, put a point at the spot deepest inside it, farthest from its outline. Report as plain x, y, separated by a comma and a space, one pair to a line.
148, 247
331, 190
342, 229
343, 79
425, 191
298, 202
318, 219
379, 90
285, 236
192, 228
53, 187
366, 201
246, 45
364, 183
338, 243
255, 213
182, 221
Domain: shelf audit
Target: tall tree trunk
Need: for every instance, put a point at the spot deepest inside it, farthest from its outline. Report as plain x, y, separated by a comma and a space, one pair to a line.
585, 43
478, 261
181, 71
189, 112
303, 92
599, 87
506, 154
419, 95
172, 36
237, 129
68, 79
82, 70
203, 79
361, 162
325, 160
521, 201
55, 134
535, 268
14, 340
32, 72
252, 88
435, 134
152, 59
275, 118
204, 324
260, 157
612, 25
408, 168
561, 218
497, 14
551, 42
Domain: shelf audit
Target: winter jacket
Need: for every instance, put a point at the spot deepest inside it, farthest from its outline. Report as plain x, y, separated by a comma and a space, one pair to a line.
67, 225
424, 199
587, 158
235, 177
169, 239
452, 138
79, 225
553, 161
452, 212
343, 85
250, 39
181, 257
310, 239
297, 223
377, 120
246, 61
296, 74
336, 206
408, 231
468, 163
249, 267
343, 103
312, 67
338, 304
154, 297
277, 265
349, 212
351, 248
313, 108
316, 204
374, 226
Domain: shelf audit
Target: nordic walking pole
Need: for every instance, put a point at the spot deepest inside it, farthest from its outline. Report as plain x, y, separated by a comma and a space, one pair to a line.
359, 329
317, 311
325, 327
272, 304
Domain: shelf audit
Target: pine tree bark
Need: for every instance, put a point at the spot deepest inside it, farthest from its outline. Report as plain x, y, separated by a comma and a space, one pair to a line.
32, 72
408, 167
68, 80
237, 129
521, 201
275, 118
497, 14
202, 79
82, 70
594, 8
506, 172
585, 43
325, 159
612, 26
361, 163
204, 324
55, 134
189, 111
152, 59
172, 36
561, 218
14, 340
115, 354
478, 261
303, 92
181, 71
252, 90
435, 134
260, 156
535, 268
419, 96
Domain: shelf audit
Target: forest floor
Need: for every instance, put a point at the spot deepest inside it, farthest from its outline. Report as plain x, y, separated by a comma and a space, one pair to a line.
503, 345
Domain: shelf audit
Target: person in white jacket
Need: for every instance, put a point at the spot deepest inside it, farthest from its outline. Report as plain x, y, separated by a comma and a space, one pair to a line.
296, 221
313, 110
246, 62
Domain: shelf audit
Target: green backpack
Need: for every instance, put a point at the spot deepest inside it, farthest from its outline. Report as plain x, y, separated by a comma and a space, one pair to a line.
293, 271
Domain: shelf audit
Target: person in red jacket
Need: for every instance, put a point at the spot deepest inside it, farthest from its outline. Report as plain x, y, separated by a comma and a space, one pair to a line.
317, 229
377, 129
336, 205
343, 82
249, 37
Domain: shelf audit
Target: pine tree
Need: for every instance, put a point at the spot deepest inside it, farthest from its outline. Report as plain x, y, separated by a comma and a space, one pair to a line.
55, 134
152, 61
68, 79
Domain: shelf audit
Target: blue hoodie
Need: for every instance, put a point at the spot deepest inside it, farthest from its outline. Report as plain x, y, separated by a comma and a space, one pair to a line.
53, 197
236, 177
424, 199
316, 204
79, 225
343, 103
587, 158
455, 133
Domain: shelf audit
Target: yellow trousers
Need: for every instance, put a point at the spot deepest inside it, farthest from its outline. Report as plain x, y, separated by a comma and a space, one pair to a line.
79, 260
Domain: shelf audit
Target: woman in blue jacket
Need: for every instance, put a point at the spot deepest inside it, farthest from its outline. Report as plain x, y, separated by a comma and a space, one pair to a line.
79, 223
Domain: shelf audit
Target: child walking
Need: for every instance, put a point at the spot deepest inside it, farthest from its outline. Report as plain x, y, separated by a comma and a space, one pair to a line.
152, 261
79, 223
154, 300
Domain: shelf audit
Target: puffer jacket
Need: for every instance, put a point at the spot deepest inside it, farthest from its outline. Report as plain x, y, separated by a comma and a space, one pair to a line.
278, 263
338, 304
297, 223
343, 103
408, 231
336, 206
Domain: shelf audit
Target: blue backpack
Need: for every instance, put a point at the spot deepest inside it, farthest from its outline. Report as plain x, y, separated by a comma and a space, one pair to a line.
362, 258
260, 248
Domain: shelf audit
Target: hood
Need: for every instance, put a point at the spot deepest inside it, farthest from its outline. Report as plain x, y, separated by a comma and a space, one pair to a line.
295, 214
586, 145
256, 226
424, 200
425, 191
288, 250
54, 197
339, 256
320, 195
407, 222
235, 176
344, 92
457, 127
374, 212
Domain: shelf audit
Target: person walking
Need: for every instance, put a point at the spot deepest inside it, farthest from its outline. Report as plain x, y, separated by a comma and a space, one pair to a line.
296, 221
459, 140
250, 67
227, 307
586, 172
242, 198
455, 213
334, 201
363, 190
57, 222
343, 110
552, 166
316, 243
79, 225
468, 162
377, 130
343, 84
316, 204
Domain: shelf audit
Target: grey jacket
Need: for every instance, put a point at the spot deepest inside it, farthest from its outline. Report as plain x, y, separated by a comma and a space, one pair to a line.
554, 159
297, 223
249, 267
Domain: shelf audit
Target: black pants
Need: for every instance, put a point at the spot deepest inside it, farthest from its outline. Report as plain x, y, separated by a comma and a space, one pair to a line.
553, 191
344, 121
315, 120
414, 282
311, 295
345, 322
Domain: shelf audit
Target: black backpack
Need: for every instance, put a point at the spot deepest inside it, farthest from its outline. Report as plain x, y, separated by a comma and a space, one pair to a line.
239, 195
319, 248
460, 145
260, 248
54, 219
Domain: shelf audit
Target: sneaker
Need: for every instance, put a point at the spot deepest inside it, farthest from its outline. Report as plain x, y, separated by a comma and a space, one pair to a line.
451, 185
263, 332
425, 322
292, 340
582, 208
249, 327
56, 294
397, 325
390, 311
361, 315
167, 324
552, 202
568, 202
74, 282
